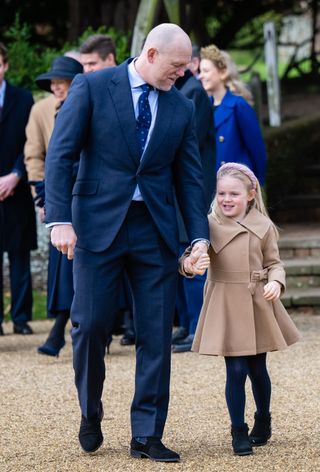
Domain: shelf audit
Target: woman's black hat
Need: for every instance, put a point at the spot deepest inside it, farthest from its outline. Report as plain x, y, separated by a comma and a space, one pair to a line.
63, 67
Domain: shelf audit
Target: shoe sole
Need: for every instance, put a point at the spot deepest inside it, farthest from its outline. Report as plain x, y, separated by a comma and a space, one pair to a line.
91, 452
179, 351
243, 453
143, 455
258, 444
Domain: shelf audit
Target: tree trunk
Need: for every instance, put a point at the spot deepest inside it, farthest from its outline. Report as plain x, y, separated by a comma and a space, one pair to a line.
173, 11
75, 19
144, 22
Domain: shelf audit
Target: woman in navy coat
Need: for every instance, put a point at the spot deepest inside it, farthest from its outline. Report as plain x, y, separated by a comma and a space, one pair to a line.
238, 135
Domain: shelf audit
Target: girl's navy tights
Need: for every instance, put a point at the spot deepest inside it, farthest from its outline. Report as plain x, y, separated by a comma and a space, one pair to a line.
238, 368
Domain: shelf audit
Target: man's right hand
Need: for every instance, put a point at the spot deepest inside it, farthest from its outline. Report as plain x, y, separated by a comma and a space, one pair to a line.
64, 239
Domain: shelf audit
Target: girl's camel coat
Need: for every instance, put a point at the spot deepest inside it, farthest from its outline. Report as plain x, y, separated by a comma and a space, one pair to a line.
236, 320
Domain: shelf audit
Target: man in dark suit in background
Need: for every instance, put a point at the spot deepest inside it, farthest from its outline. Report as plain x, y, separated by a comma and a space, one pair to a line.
190, 290
18, 224
138, 145
97, 52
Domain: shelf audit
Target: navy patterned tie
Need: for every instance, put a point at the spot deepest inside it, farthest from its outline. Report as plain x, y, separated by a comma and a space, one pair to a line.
144, 117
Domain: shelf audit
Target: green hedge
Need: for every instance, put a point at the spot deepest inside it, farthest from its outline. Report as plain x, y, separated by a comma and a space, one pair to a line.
291, 148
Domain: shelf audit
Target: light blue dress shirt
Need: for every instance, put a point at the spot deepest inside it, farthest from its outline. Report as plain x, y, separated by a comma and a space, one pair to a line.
135, 83
2, 92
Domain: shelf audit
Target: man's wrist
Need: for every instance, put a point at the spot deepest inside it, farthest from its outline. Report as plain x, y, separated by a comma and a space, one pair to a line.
200, 240
58, 223
17, 173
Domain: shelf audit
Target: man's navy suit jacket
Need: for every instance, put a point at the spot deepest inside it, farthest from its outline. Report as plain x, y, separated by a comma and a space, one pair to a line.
98, 120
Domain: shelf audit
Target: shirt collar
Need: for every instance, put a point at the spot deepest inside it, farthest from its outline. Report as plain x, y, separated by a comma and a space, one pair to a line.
135, 78
2, 92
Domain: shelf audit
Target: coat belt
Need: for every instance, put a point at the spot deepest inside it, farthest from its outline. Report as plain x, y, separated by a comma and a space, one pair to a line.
251, 279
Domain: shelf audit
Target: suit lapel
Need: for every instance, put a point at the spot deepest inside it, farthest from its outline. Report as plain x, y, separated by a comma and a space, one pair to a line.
8, 102
162, 125
122, 99
120, 92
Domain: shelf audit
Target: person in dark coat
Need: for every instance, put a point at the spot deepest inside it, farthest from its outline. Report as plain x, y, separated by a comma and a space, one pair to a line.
17, 216
190, 290
39, 130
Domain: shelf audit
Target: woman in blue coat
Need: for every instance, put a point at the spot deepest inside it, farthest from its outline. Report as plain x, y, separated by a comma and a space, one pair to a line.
238, 135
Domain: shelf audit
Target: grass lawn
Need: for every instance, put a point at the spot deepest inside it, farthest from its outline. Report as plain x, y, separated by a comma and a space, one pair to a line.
39, 305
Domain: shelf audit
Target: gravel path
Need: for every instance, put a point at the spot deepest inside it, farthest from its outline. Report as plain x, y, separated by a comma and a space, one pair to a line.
39, 415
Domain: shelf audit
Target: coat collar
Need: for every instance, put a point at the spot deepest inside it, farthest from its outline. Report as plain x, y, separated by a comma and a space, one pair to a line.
225, 109
224, 232
120, 90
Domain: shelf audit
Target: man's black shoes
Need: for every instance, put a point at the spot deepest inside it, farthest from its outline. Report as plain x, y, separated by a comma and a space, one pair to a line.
22, 329
90, 434
154, 450
127, 339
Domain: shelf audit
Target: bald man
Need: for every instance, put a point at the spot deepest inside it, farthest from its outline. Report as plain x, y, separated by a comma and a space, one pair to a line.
136, 135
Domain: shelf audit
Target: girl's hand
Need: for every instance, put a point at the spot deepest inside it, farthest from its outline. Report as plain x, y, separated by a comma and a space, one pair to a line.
196, 268
202, 264
272, 290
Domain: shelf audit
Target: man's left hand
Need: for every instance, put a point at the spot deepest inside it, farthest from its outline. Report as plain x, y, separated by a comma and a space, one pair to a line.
7, 185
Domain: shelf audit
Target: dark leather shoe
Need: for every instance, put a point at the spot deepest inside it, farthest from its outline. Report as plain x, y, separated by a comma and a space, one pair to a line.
1, 330
154, 450
127, 340
184, 345
50, 350
179, 334
90, 434
22, 329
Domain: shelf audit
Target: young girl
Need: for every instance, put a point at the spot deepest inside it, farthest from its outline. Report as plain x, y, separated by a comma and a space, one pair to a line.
237, 131
242, 317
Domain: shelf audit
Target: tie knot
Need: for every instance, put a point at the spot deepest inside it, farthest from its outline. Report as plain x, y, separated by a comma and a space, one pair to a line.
146, 88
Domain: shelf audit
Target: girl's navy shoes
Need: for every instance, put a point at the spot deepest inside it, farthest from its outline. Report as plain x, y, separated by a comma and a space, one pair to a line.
240, 440
261, 430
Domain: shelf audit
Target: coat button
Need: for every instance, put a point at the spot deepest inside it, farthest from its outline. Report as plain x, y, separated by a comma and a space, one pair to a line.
221, 139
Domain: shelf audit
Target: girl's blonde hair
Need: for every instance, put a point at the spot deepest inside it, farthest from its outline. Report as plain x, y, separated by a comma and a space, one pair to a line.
223, 62
247, 177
